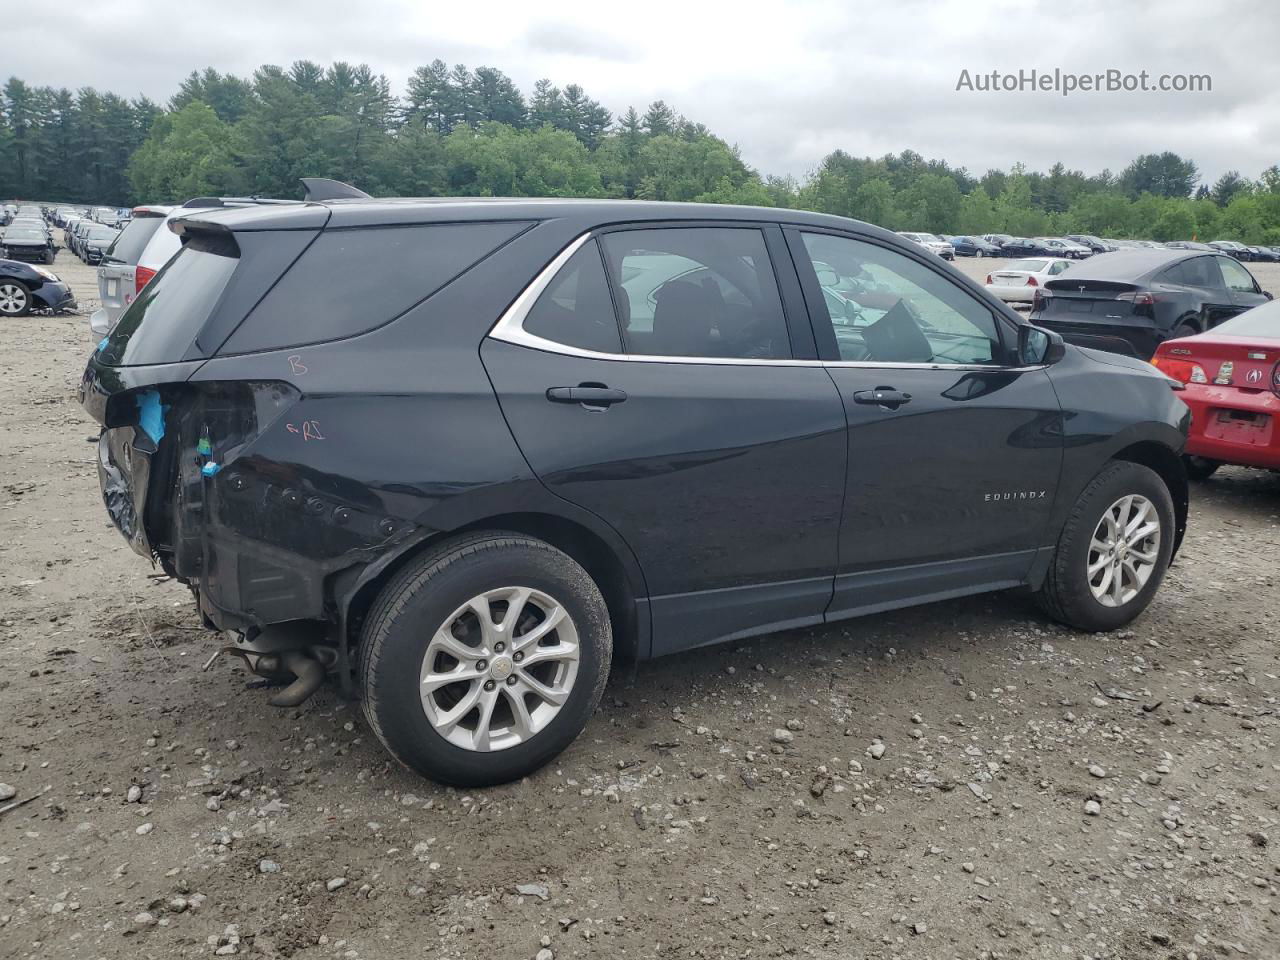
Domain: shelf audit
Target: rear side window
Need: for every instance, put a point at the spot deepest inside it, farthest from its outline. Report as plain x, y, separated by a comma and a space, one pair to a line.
354, 280
697, 292
133, 239
160, 325
576, 309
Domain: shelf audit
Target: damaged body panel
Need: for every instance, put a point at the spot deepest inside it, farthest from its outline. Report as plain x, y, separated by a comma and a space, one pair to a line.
284, 481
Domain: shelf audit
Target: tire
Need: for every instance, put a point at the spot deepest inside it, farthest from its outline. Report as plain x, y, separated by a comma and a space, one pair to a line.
1068, 594
15, 298
1200, 468
1183, 330
48, 258
404, 640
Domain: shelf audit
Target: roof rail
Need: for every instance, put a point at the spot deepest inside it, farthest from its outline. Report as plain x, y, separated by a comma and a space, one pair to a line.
320, 188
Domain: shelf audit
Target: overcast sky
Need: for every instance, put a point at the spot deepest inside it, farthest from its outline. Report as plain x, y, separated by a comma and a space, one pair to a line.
787, 81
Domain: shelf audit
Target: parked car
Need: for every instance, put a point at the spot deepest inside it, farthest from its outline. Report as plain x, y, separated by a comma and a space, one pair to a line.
1232, 249
1134, 300
106, 216
1190, 245
96, 241
932, 243
447, 450
78, 233
1232, 377
973, 247
116, 277
1021, 247
21, 241
24, 288
1064, 248
1262, 254
1018, 282
1096, 244
999, 239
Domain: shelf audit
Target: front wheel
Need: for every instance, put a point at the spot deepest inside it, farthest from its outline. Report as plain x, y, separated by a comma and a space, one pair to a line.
484, 659
15, 298
1113, 550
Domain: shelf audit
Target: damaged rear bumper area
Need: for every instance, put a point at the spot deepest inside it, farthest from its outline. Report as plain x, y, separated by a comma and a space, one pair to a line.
197, 476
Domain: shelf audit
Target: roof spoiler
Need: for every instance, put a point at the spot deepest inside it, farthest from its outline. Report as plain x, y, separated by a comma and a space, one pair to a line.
320, 188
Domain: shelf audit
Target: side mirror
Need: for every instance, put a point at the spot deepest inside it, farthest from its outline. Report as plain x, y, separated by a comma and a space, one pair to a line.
1037, 346
1267, 294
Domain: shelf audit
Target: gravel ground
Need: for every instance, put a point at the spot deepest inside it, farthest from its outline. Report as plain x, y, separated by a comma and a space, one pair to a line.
960, 780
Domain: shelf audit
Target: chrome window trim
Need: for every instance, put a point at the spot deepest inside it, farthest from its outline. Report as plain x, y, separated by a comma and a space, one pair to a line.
510, 329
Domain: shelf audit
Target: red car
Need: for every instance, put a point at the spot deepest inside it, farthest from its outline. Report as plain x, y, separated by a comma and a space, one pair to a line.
1232, 375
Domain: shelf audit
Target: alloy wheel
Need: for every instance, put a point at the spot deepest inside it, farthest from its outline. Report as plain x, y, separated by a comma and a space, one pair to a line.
499, 669
13, 299
1124, 550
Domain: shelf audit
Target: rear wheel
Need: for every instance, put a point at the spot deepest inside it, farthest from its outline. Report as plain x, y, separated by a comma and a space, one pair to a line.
1113, 550
484, 659
1200, 468
1184, 330
15, 298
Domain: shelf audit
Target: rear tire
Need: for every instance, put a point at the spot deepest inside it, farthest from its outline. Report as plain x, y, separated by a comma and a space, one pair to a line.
426, 626
1099, 578
15, 298
1200, 468
1184, 330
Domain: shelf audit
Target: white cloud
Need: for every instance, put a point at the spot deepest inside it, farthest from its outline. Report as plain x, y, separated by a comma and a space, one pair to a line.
787, 81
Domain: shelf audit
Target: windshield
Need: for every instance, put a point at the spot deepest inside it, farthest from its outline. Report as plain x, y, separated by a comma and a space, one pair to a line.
1033, 266
161, 324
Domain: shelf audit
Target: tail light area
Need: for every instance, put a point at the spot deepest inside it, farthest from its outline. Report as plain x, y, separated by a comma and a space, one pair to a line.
1184, 371
141, 277
1031, 282
1275, 379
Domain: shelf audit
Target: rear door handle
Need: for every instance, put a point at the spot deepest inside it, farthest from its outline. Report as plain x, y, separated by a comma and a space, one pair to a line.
590, 395
886, 397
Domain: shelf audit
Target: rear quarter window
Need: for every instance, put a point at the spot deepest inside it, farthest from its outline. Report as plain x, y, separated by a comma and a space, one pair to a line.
351, 281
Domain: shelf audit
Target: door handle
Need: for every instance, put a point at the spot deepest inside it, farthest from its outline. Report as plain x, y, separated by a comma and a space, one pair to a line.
590, 395
886, 397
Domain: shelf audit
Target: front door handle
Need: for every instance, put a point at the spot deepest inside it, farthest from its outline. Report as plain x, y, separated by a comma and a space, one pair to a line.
590, 395
886, 397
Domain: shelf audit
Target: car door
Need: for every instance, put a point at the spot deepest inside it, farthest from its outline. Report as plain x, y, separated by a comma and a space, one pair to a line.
650, 375
1244, 289
954, 450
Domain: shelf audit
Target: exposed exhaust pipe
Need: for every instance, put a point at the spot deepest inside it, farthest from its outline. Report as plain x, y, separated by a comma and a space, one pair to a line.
309, 676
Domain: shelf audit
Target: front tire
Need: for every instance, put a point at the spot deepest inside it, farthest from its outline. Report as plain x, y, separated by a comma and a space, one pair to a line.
484, 659
1113, 551
15, 298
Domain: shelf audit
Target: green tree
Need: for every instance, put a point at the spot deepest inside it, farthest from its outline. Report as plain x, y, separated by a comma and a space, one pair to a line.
1163, 174
185, 156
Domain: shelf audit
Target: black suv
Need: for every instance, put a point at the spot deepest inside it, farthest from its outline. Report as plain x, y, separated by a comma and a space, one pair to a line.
460, 452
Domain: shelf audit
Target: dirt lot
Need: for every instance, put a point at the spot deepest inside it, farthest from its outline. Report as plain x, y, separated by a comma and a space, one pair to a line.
179, 816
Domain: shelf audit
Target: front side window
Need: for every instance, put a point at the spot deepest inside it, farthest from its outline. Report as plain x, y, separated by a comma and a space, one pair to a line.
697, 292
885, 307
1239, 280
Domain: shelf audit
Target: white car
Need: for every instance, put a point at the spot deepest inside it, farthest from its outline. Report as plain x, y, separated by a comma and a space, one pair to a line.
1065, 248
1019, 281
117, 279
933, 244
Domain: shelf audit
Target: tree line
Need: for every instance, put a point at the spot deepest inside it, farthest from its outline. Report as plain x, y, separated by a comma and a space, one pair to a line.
462, 132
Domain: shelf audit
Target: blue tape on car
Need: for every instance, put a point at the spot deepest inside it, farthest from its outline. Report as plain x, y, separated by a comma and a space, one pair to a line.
102, 344
151, 415
211, 469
